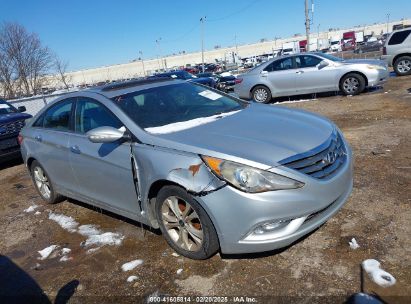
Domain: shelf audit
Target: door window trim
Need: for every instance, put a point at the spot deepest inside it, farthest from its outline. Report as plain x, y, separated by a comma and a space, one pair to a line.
44, 114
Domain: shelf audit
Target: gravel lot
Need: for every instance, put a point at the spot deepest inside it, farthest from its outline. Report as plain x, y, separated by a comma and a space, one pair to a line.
319, 268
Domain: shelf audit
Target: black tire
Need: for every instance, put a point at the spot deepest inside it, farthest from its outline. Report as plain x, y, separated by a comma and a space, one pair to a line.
209, 245
352, 84
402, 66
54, 197
261, 94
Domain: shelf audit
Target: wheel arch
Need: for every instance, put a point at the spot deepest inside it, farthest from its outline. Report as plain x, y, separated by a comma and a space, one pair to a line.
400, 55
354, 72
257, 85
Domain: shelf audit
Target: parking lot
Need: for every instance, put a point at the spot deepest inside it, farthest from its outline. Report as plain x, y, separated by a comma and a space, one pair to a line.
322, 265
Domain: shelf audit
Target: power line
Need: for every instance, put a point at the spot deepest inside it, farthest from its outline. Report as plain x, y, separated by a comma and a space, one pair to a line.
234, 13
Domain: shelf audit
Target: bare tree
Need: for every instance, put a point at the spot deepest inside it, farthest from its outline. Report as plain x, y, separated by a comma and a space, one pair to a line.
61, 69
23, 60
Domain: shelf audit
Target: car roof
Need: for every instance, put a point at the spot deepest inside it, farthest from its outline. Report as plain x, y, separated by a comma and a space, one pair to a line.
124, 87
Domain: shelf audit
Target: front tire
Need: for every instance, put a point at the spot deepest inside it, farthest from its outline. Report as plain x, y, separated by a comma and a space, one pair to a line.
352, 84
261, 94
402, 66
43, 184
185, 224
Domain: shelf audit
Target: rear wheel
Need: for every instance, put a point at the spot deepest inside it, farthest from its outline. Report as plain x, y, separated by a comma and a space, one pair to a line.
352, 84
402, 66
43, 183
261, 94
185, 224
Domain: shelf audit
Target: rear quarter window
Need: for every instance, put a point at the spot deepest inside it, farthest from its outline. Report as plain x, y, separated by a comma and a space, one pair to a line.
398, 38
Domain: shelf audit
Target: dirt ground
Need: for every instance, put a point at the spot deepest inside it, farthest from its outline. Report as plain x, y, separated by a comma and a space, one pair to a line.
319, 268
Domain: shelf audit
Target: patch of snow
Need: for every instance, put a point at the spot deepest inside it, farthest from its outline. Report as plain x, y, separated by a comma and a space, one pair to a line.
353, 244
294, 101
65, 251
88, 230
183, 125
65, 258
66, 222
131, 278
37, 213
175, 254
379, 276
47, 251
179, 271
91, 250
31, 208
131, 265
107, 238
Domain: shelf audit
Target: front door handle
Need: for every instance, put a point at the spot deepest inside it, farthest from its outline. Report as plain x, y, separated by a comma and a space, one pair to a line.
299, 72
38, 138
75, 149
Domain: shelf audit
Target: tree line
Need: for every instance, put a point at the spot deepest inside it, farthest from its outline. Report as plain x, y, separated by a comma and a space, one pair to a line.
25, 61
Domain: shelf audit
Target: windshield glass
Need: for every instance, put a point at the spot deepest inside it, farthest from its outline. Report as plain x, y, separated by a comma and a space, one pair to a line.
334, 42
330, 57
174, 103
6, 108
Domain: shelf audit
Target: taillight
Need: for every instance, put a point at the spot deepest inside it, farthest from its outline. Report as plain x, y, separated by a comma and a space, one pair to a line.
384, 50
238, 80
20, 139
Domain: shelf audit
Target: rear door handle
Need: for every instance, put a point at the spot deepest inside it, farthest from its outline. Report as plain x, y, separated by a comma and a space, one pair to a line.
75, 149
299, 72
38, 138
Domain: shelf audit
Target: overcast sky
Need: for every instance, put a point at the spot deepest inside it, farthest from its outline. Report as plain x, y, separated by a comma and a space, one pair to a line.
95, 33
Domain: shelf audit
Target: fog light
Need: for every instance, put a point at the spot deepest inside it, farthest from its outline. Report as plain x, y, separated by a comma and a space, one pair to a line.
268, 227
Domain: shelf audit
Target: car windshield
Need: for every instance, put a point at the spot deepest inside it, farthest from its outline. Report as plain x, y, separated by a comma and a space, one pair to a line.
6, 108
174, 103
334, 42
330, 57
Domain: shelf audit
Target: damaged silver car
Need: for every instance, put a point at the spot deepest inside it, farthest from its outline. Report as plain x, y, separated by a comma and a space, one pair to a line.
211, 171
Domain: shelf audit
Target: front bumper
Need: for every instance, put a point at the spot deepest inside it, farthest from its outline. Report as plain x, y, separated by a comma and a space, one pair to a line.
9, 148
236, 214
387, 59
378, 78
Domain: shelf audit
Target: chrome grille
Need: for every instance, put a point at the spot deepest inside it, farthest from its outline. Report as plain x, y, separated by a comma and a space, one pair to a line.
11, 127
321, 163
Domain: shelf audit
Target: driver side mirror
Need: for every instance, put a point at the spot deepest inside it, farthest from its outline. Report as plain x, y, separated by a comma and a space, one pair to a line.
22, 109
323, 64
107, 134
264, 73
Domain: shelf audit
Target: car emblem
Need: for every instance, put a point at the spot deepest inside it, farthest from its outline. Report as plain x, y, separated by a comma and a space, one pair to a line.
330, 158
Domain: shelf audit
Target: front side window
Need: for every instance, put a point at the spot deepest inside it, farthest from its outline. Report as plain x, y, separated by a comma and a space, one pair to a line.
58, 116
174, 103
91, 114
399, 37
307, 61
280, 65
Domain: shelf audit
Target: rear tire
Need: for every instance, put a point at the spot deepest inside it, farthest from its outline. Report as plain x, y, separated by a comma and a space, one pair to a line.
352, 84
402, 66
43, 184
185, 224
261, 94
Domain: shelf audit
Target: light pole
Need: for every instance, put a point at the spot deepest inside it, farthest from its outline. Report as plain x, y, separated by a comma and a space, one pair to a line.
142, 62
388, 21
202, 19
159, 51
318, 37
307, 25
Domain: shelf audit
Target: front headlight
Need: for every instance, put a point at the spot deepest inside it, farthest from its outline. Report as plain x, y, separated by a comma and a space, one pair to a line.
247, 178
375, 67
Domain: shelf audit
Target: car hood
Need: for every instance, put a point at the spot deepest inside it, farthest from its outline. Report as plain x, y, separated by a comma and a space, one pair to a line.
260, 133
6, 118
201, 80
364, 61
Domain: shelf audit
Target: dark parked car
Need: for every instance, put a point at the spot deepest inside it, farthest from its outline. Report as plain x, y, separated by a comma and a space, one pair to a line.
223, 83
184, 75
373, 46
12, 120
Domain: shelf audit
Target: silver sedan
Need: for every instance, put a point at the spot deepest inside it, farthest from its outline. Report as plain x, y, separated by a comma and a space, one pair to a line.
310, 73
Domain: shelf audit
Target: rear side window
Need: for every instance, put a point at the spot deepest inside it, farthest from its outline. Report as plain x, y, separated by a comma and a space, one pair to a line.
280, 65
307, 61
58, 116
91, 114
398, 38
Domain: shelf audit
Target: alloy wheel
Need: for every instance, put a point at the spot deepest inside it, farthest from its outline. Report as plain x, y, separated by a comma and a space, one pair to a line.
182, 223
42, 182
260, 95
351, 85
404, 66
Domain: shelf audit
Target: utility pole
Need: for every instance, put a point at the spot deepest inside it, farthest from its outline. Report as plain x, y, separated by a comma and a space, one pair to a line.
307, 24
159, 50
202, 19
388, 21
318, 37
142, 61
236, 49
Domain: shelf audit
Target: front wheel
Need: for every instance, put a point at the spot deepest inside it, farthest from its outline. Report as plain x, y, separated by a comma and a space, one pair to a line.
352, 84
185, 224
402, 66
261, 94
